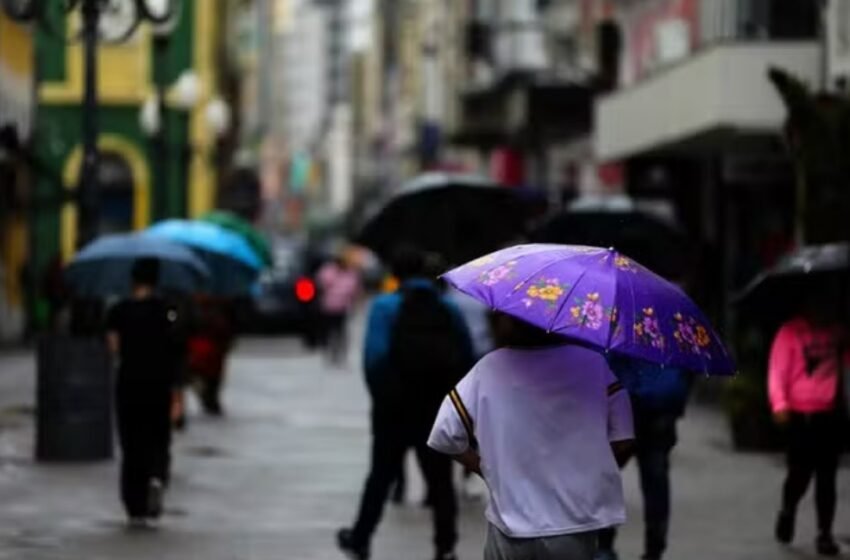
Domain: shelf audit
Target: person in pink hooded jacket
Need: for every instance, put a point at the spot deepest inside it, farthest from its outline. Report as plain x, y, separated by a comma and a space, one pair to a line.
804, 383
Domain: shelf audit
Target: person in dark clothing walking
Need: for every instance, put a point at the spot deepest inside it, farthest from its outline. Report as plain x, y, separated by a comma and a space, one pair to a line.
417, 349
209, 346
140, 334
659, 396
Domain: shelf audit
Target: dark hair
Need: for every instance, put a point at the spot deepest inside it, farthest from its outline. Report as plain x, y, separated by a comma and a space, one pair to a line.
145, 272
408, 262
511, 331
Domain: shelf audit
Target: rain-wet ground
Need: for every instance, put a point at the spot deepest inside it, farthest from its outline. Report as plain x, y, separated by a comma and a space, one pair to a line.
278, 475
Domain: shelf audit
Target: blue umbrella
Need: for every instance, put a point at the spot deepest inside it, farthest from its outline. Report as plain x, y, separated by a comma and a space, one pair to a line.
232, 261
103, 267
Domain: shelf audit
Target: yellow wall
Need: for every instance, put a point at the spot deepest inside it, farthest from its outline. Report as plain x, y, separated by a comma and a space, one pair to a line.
16, 47
202, 176
16, 59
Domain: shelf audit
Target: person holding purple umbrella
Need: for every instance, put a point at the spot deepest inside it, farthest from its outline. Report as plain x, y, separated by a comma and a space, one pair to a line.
544, 419
544, 422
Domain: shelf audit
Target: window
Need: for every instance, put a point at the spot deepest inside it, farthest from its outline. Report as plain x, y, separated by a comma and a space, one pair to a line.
115, 190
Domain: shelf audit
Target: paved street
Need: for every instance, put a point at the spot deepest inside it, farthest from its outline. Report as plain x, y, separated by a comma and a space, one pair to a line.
282, 472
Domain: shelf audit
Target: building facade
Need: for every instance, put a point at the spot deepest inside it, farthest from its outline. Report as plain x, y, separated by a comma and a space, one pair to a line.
151, 167
16, 115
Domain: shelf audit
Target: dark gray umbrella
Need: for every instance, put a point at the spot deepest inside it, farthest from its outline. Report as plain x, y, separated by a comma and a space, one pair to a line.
455, 215
658, 245
103, 267
796, 270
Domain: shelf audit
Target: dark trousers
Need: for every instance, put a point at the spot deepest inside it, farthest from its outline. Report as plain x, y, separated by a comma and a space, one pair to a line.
144, 432
335, 337
390, 442
655, 437
209, 391
814, 446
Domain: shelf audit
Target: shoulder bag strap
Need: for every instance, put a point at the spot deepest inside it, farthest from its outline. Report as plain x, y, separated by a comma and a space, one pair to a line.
465, 418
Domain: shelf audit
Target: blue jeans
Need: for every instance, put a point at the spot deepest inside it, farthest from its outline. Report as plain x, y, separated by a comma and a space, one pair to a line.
655, 437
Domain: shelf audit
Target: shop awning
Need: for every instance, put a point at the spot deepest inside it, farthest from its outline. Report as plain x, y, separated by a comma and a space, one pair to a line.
708, 102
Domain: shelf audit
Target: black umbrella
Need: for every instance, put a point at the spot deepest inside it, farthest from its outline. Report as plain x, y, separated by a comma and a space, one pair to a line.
811, 268
657, 245
457, 216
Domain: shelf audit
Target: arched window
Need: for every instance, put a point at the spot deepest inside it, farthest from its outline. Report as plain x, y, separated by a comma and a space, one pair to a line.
115, 191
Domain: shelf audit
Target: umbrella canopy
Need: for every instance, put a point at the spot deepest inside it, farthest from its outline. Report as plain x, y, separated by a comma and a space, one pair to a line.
654, 243
234, 266
239, 225
458, 216
802, 267
599, 297
103, 267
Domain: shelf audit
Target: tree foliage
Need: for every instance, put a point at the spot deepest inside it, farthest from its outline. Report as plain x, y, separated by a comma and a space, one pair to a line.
817, 131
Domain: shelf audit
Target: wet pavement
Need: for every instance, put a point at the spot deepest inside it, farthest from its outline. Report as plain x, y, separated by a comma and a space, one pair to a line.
278, 475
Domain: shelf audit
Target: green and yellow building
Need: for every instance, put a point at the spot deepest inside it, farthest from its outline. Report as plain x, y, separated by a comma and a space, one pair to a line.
141, 179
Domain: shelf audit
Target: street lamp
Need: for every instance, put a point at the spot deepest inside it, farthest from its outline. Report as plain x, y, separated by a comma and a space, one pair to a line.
185, 94
112, 21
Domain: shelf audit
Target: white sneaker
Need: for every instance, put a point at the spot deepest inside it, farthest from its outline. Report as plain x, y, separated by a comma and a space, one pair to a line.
155, 498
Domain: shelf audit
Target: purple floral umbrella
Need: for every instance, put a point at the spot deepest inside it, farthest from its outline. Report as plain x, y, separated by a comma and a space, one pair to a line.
599, 297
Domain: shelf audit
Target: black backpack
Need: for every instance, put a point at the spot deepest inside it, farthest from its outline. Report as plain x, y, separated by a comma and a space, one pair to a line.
428, 353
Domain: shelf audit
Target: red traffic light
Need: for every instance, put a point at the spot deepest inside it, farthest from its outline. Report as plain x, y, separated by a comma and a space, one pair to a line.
305, 290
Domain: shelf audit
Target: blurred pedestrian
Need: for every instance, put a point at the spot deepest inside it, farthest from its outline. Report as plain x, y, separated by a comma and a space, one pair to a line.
339, 285
183, 329
140, 334
543, 422
209, 346
659, 396
805, 376
417, 348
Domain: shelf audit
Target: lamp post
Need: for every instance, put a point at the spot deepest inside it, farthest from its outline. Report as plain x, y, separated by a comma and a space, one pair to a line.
111, 21
185, 94
87, 189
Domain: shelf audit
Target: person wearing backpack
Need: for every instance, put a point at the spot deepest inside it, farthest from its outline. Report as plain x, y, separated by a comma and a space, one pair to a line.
659, 395
417, 348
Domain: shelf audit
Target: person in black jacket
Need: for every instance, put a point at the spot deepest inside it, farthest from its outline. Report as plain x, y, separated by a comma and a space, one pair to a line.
141, 335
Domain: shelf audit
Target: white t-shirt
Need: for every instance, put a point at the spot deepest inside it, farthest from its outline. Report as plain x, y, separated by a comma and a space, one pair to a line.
544, 420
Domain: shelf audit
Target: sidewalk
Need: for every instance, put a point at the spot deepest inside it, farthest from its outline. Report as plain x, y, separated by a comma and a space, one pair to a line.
283, 471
